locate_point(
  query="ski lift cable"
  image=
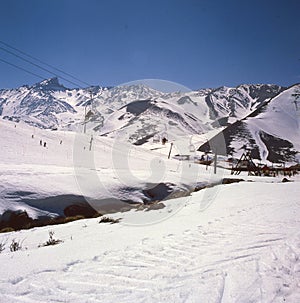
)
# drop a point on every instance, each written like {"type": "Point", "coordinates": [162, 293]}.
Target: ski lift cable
{"type": "Point", "coordinates": [40, 67]}
{"type": "Point", "coordinates": [23, 69]}
{"type": "Point", "coordinates": [44, 63]}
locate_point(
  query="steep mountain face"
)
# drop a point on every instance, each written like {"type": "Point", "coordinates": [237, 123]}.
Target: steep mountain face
{"type": "Point", "coordinates": [141, 120]}
{"type": "Point", "coordinates": [182, 114]}
{"type": "Point", "coordinates": [48, 104]}
{"type": "Point", "coordinates": [136, 112]}
{"type": "Point", "coordinates": [270, 133]}
{"type": "Point", "coordinates": [38, 105]}
{"type": "Point", "coordinates": [240, 101]}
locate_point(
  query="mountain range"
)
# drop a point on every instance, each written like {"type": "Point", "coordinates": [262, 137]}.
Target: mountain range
{"type": "Point", "coordinates": [262, 117]}
{"type": "Point", "coordinates": [269, 133]}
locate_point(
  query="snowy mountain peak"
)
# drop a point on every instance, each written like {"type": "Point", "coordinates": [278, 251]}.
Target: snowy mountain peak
{"type": "Point", "coordinates": [48, 104]}
{"type": "Point", "coordinates": [50, 84]}
{"type": "Point", "coordinates": [271, 132]}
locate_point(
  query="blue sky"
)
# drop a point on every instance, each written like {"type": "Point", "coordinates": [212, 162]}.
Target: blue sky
{"type": "Point", "coordinates": [196, 43]}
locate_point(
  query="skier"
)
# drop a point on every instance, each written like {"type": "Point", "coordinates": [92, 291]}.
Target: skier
{"type": "Point", "coordinates": [45, 144]}
{"type": "Point", "coordinates": [41, 142]}
{"type": "Point", "coordinates": [164, 140]}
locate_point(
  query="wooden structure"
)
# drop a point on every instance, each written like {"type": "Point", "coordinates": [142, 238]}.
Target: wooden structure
{"type": "Point", "coordinates": [204, 161]}
{"type": "Point", "coordinates": [245, 163]}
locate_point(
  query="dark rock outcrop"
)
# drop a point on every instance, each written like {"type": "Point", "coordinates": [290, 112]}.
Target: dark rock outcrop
{"type": "Point", "coordinates": [82, 209]}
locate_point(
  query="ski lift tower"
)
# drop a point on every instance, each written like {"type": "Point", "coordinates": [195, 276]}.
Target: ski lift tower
{"type": "Point", "coordinates": [245, 163]}
{"type": "Point", "coordinates": [192, 147]}
{"type": "Point", "coordinates": [85, 114]}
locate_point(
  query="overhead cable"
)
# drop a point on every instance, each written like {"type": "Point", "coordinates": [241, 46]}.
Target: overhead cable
{"type": "Point", "coordinates": [44, 63]}
{"type": "Point", "coordinates": [40, 67]}
{"type": "Point", "coordinates": [23, 69]}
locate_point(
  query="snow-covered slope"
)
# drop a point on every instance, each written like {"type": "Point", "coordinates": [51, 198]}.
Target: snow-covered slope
{"type": "Point", "coordinates": [50, 105]}
{"type": "Point", "coordinates": [270, 133]}
{"type": "Point", "coordinates": [240, 101]}
{"type": "Point", "coordinates": [139, 114]}
{"type": "Point", "coordinates": [140, 121]}
{"type": "Point", "coordinates": [72, 168]}
{"type": "Point", "coordinates": [243, 248]}
{"type": "Point", "coordinates": [224, 243]}
{"type": "Point", "coordinates": [39, 105]}
{"type": "Point", "coordinates": [177, 115]}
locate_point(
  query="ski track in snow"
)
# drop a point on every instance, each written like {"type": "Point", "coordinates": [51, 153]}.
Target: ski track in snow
{"type": "Point", "coordinates": [238, 256]}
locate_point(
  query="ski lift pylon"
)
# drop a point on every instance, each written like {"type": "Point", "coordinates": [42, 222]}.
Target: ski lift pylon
{"type": "Point", "coordinates": [192, 148]}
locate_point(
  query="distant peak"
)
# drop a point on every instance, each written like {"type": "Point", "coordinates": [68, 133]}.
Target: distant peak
{"type": "Point", "coordinates": [51, 84]}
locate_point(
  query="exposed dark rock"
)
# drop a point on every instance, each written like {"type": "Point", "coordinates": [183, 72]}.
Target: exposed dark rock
{"type": "Point", "coordinates": [280, 150]}
{"type": "Point", "coordinates": [82, 209]}
{"type": "Point", "coordinates": [15, 219]}
{"type": "Point", "coordinates": [230, 180]}
{"type": "Point", "coordinates": [152, 206]}
{"type": "Point", "coordinates": [241, 135]}
{"type": "Point", "coordinates": [159, 191]}
{"type": "Point", "coordinates": [200, 187]}
{"type": "Point", "coordinates": [264, 92]}
{"type": "Point", "coordinates": [222, 141]}
{"type": "Point", "coordinates": [156, 206]}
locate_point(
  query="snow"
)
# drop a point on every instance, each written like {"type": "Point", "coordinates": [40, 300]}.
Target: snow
{"type": "Point", "coordinates": [31, 173]}
{"type": "Point", "coordinates": [271, 132]}
{"type": "Point", "coordinates": [281, 120]}
{"type": "Point", "coordinates": [48, 104]}
{"type": "Point", "coordinates": [242, 248]}
{"type": "Point", "coordinates": [225, 243]}
{"type": "Point", "coordinates": [282, 109]}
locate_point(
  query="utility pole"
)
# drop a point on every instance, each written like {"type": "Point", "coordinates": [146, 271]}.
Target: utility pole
{"type": "Point", "coordinates": [88, 103]}
{"type": "Point", "coordinates": [91, 141]}
{"type": "Point", "coordinates": [170, 150]}
{"type": "Point", "coordinates": [215, 162]}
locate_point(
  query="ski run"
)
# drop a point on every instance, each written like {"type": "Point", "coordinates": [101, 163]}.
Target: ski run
{"type": "Point", "coordinates": [237, 242]}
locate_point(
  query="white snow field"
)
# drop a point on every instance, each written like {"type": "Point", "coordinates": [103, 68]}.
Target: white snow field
{"type": "Point", "coordinates": [245, 247]}
{"type": "Point", "coordinates": [93, 167]}
{"type": "Point", "coordinates": [226, 243]}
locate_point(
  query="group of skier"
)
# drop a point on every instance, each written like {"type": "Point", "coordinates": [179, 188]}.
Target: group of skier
{"type": "Point", "coordinates": [44, 144]}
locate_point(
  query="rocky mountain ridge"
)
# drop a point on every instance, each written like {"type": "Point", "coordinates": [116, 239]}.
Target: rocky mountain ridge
{"type": "Point", "coordinates": [50, 105]}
